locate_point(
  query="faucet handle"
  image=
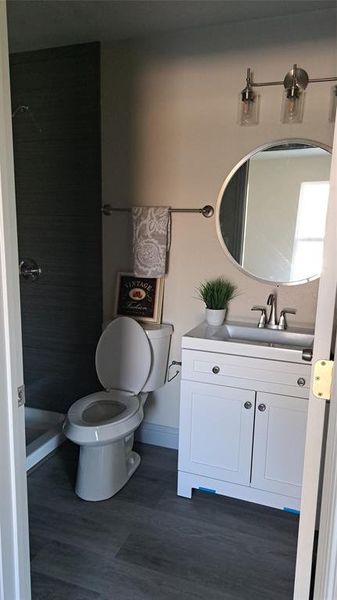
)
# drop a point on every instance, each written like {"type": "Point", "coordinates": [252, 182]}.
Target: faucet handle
{"type": "Point", "coordinates": [263, 316]}
{"type": "Point", "coordinates": [283, 321]}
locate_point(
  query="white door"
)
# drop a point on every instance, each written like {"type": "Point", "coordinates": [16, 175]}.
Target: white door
{"type": "Point", "coordinates": [316, 411]}
{"type": "Point", "coordinates": [14, 547]}
{"type": "Point", "coordinates": [216, 431]}
{"type": "Point", "coordinates": [326, 568]}
{"type": "Point", "coordinates": [279, 438]}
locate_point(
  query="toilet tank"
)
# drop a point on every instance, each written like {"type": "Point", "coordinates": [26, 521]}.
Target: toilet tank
{"type": "Point", "coordinates": [160, 338]}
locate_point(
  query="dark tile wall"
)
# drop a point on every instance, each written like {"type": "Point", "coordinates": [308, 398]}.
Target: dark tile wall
{"type": "Point", "coordinates": [58, 192]}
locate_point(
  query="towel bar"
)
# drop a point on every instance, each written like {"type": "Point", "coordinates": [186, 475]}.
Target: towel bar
{"type": "Point", "coordinates": [206, 211]}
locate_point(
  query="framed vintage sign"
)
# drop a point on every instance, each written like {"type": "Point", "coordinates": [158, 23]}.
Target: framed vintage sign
{"type": "Point", "coordinates": [139, 297]}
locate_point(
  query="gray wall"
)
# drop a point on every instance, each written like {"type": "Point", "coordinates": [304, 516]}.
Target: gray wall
{"type": "Point", "coordinates": [58, 192]}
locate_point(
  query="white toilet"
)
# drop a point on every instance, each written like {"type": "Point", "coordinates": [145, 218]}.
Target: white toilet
{"type": "Point", "coordinates": [131, 360]}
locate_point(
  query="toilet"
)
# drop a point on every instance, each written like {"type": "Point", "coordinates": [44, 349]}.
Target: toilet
{"type": "Point", "coordinates": [131, 361]}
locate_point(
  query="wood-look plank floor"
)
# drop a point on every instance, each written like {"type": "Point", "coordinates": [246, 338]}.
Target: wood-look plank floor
{"type": "Point", "coordinates": [146, 543]}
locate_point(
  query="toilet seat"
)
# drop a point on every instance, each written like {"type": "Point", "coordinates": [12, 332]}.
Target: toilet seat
{"type": "Point", "coordinates": [77, 411]}
{"type": "Point", "coordinates": [86, 430]}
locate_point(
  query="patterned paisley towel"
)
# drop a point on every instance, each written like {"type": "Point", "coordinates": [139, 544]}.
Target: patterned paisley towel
{"type": "Point", "coordinates": [151, 239]}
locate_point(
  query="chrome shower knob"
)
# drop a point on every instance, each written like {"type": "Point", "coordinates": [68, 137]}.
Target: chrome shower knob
{"type": "Point", "coordinates": [29, 269]}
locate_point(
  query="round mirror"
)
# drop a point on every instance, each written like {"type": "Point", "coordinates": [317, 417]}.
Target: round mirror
{"type": "Point", "coordinates": [271, 211]}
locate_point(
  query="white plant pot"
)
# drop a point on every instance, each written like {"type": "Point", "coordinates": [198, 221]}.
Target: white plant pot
{"type": "Point", "coordinates": [215, 317]}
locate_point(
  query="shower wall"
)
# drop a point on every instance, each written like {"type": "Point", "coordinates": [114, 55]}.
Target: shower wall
{"type": "Point", "coordinates": [58, 193]}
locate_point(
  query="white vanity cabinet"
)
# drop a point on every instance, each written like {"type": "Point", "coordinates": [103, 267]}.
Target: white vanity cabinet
{"type": "Point", "coordinates": [216, 431]}
{"type": "Point", "coordinates": [278, 449]}
{"type": "Point", "coordinates": [242, 423]}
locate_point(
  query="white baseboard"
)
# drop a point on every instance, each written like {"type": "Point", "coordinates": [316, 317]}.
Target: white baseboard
{"type": "Point", "coordinates": [158, 435]}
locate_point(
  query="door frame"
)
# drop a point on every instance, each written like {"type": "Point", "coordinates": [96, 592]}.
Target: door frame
{"type": "Point", "coordinates": [14, 535]}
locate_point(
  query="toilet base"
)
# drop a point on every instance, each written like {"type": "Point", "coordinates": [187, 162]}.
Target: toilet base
{"type": "Point", "coordinates": [103, 470]}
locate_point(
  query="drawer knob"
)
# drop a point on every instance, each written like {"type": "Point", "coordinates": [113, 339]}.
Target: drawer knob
{"type": "Point", "coordinates": [262, 407]}
{"type": "Point", "coordinates": [301, 381]}
{"type": "Point", "coordinates": [247, 405]}
{"type": "Point", "coordinates": [216, 370]}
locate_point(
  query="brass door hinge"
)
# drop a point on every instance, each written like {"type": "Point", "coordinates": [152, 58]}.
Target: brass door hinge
{"type": "Point", "coordinates": [323, 379]}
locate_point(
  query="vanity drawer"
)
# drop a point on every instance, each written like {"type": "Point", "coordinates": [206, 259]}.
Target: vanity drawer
{"type": "Point", "coordinates": [250, 373]}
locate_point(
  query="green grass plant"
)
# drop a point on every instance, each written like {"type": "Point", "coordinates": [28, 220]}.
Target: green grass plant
{"type": "Point", "coordinates": [217, 293]}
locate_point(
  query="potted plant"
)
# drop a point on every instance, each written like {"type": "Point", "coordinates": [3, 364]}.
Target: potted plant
{"type": "Point", "coordinates": [216, 294]}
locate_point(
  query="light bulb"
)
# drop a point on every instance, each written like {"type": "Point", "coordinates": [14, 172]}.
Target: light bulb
{"type": "Point", "coordinates": [248, 108]}
{"type": "Point", "coordinates": [292, 108]}
{"type": "Point", "coordinates": [293, 104]}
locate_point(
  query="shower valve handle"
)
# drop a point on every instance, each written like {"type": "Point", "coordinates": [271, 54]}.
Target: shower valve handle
{"type": "Point", "coordinates": [29, 269]}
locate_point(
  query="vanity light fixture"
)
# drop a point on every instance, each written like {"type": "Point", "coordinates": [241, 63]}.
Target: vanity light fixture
{"type": "Point", "coordinates": [295, 82]}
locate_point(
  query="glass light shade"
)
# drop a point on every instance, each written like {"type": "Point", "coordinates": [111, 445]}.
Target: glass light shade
{"type": "Point", "coordinates": [333, 104]}
{"type": "Point", "coordinates": [292, 107]}
{"type": "Point", "coordinates": [248, 109]}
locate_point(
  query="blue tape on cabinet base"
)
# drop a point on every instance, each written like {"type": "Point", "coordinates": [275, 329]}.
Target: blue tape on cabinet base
{"type": "Point", "coordinates": [291, 510]}
{"type": "Point", "coordinates": [207, 490]}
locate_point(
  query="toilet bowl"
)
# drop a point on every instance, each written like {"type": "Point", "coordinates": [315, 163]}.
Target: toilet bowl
{"type": "Point", "coordinates": [131, 361]}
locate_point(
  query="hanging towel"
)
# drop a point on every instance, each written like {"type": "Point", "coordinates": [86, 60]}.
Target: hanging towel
{"type": "Point", "coordinates": [151, 239]}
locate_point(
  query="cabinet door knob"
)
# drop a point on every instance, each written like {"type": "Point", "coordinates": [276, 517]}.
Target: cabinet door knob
{"type": "Point", "coordinates": [301, 381]}
{"type": "Point", "coordinates": [262, 407]}
{"type": "Point", "coordinates": [247, 405]}
{"type": "Point", "coordinates": [216, 370]}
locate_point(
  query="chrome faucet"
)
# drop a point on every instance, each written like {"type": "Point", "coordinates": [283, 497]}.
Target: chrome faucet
{"type": "Point", "coordinates": [272, 322]}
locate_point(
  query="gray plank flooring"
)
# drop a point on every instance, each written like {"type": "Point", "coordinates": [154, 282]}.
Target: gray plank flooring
{"type": "Point", "coordinates": [146, 543]}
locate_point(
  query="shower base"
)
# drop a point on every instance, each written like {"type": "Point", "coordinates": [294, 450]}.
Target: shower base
{"type": "Point", "coordinates": [43, 434]}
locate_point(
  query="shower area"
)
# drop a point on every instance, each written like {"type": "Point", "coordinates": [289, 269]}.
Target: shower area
{"type": "Point", "coordinates": [56, 134]}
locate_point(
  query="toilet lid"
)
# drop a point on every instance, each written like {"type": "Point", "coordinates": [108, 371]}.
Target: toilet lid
{"type": "Point", "coordinates": [123, 356]}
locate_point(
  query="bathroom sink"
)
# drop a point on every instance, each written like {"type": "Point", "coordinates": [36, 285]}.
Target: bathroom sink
{"type": "Point", "coordinates": [251, 333]}
{"type": "Point", "coordinates": [246, 339]}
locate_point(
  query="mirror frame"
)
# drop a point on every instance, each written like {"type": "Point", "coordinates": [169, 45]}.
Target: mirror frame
{"type": "Point", "coordinates": [222, 191]}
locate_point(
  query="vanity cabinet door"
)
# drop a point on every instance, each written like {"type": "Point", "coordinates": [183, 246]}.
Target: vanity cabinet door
{"type": "Point", "coordinates": [216, 431]}
{"type": "Point", "coordinates": [278, 452]}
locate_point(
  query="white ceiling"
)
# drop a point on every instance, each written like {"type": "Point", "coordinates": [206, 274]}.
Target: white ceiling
{"type": "Point", "coordinates": [37, 24]}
